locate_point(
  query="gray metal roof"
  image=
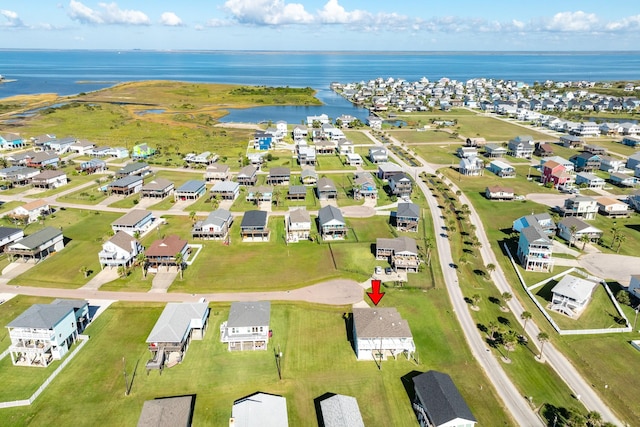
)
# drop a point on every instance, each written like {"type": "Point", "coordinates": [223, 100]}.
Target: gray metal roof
{"type": "Point", "coordinates": [297, 189]}
{"type": "Point", "coordinates": [41, 316]}
{"type": "Point", "coordinates": [380, 322]}
{"type": "Point", "coordinates": [175, 320]}
{"type": "Point", "coordinates": [252, 219]}
{"type": "Point", "coordinates": [398, 245]}
{"type": "Point", "coordinates": [167, 412]}
{"type": "Point", "coordinates": [408, 210]}
{"type": "Point", "coordinates": [38, 238]}
{"type": "Point", "coordinates": [265, 410]}
{"type": "Point", "coordinates": [225, 187]}
{"type": "Point", "coordinates": [132, 167]}
{"type": "Point", "coordinates": [574, 287]}
{"type": "Point", "coordinates": [191, 186]}
{"type": "Point", "coordinates": [279, 171]}
{"type": "Point", "coordinates": [158, 184]}
{"type": "Point", "coordinates": [126, 181]}
{"type": "Point", "coordinates": [533, 233]}
{"type": "Point", "coordinates": [441, 398]}
{"type": "Point", "coordinates": [131, 218]}
{"type": "Point", "coordinates": [329, 213]}
{"type": "Point", "coordinates": [218, 217]}
{"type": "Point", "coordinates": [243, 314]}
{"type": "Point", "coordinates": [341, 411]}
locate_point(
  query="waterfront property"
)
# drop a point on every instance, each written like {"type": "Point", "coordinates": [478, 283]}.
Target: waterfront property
{"type": "Point", "coordinates": [45, 332]}
{"type": "Point", "coordinates": [179, 323]}
{"type": "Point", "coordinates": [134, 222]}
{"type": "Point", "coordinates": [247, 327]}
{"type": "Point", "coordinates": [331, 223]}
{"type": "Point", "coordinates": [535, 249]}
{"type": "Point", "coordinates": [216, 226]}
{"type": "Point", "coordinates": [380, 332]}
{"type": "Point", "coordinates": [120, 250]}
{"type": "Point", "coordinates": [438, 403]}
{"type": "Point", "coordinates": [36, 246]}
{"type": "Point", "coordinates": [571, 295]}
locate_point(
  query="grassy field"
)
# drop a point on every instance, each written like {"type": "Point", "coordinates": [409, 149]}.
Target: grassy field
{"type": "Point", "coordinates": [410, 136]}
{"type": "Point", "coordinates": [218, 377]}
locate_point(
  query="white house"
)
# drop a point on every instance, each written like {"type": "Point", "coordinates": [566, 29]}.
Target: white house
{"type": "Point", "coordinates": [266, 410]}
{"type": "Point", "coordinates": [9, 235]}
{"type": "Point", "coordinates": [247, 327]}
{"type": "Point", "coordinates": [32, 211]}
{"type": "Point", "coordinates": [502, 169]}
{"type": "Point", "coordinates": [216, 226]}
{"type": "Point", "coordinates": [589, 180]}
{"type": "Point", "coordinates": [380, 332]}
{"type": "Point", "coordinates": [135, 221]}
{"type": "Point", "coordinates": [38, 245]}
{"type": "Point", "coordinates": [612, 207]}
{"type": "Point", "coordinates": [579, 227]}
{"type": "Point", "coordinates": [298, 225]}
{"type": "Point", "coordinates": [119, 251]}
{"type": "Point", "coordinates": [634, 285]}
{"type": "Point", "coordinates": [571, 295]}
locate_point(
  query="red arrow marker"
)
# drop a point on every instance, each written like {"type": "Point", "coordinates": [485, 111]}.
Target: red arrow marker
{"type": "Point", "coordinates": [376, 295]}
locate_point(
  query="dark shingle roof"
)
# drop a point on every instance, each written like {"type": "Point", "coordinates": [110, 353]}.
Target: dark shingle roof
{"type": "Point", "coordinates": [6, 232]}
{"type": "Point", "coordinates": [408, 210]}
{"type": "Point", "coordinates": [252, 219]}
{"type": "Point", "coordinates": [441, 397]}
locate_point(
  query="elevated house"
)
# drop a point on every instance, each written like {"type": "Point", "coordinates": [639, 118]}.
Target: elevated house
{"type": "Point", "coordinates": [611, 164]}
{"type": "Point", "coordinates": [387, 169]}
{"type": "Point", "coordinates": [279, 176]}
{"type": "Point", "coordinates": [623, 180]}
{"type": "Point", "coordinates": [535, 249]}
{"type": "Point", "coordinates": [543, 149]}
{"type": "Point", "coordinates": [190, 190]}
{"type": "Point", "coordinates": [159, 188]}
{"type": "Point", "coordinates": [573, 229]}
{"type": "Point", "coordinates": [297, 192]}
{"type": "Point", "coordinates": [572, 141]}
{"type": "Point", "coordinates": [571, 295]}
{"type": "Point", "coordinates": [217, 172]}
{"type": "Point", "coordinates": [493, 151]}
{"type": "Point", "coordinates": [331, 223]}
{"type": "Point", "coordinates": [43, 159]}
{"type": "Point", "coordinates": [263, 140]}
{"type": "Point", "coordinates": [260, 194]}
{"type": "Point", "coordinates": [36, 246]}
{"type": "Point", "coordinates": [401, 253]}
{"type": "Point", "coordinates": [247, 176]}
{"type": "Point", "coordinates": [82, 147]}
{"type": "Point", "coordinates": [50, 179]}
{"type": "Point", "coordinates": [380, 332]}
{"type": "Point", "coordinates": [464, 152]}
{"type": "Point", "coordinates": [164, 252]}
{"type": "Point", "coordinates": [325, 147]}
{"type": "Point", "coordinates": [354, 159]}
{"type": "Point", "coordinates": [586, 162]}
{"type": "Point", "coordinates": [179, 323]}
{"type": "Point", "coordinates": [339, 410]}
{"type": "Point", "coordinates": [580, 206]}
{"type": "Point", "coordinates": [299, 132]}
{"type": "Point", "coordinates": [521, 147]}
{"type": "Point", "coordinates": [11, 141]}
{"type": "Point", "coordinates": [203, 159]}
{"type": "Point", "coordinates": [254, 227]}
{"type": "Point", "coordinates": [134, 222]}
{"type": "Point", "coordinates": [634, 200]}
{"type": "Point", "coordinates": [142, 151]}
{"type": "Point", "coordinates": [407, 217]}
{"type": "Point", "coordinates": [471, 166]}
{"type": "Point", "coordinates": [378, 155]}
{"type": "Point", "coordinates": [247, 327]}
{"type": "Point", "coordinates": [595, 149]}
{"type": "Point", "coordinates": [438, 403]}
{"type": "Point", "coordinates": [298, 225]}
{"type": "Point", "coordinates": [270, 409]}
{"type": "Point", "coordinates": [364, 186]}
{"type": "Point", "coordinates": [216, 226]}
{"type": "Point", "coordinates": [502, 169]}
{"type": "Point", "coordinates": [308, 176]}
{"type": "Point", "coordinates": [345, 147]}
{"type": "Point", "coordinates": [612, 208]}
{"type": "Point", "coordinates": [556, 174]}
{"type": "Point", "coordinates": [121, 250]}
{"type": "Point", "coordinates": [18, 175]}
{"type": "Point", "coordinates": [31, 212]}
{"type": "Point", "coordinates": [92, 166]}
{"type": "Point", "coordinates": [9, 235]}
{"type": "Point", "coordinates": [401, 185]}
{"type": "Point", "coordinates": [307, 156]}
{"type": "Point", "coordinates": [45, 332]}
{"type": "Point", "coordinates": [225, 190]}
{"type": "Point", "coordinates": [126, 186]}
{"type": "Point", "coordinates": [496, 192]}
{"type": "Point", "coordinates": [326, 189]}
{"type": "Point", "coordinates": [589, 180]}
{"type": "Point", "coordinates": [136, 168]}
{"type": "Point", "coordinates": [633, 161]}
{"type": "Point", "coordinates": [631, 141]}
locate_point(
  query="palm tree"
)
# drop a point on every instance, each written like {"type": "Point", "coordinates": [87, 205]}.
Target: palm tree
{"type": "Point", "coordinates": [509, 340]}
{"type": "Point", "coordinates": [179, 262]}
{"type": "Point", "coordinates": [573, 230]}
{"type": "Point", "coordinates": [192, 216]}
{"type": "Point", "coordinates": [620, 239]}
{"type": "Point", "coordinates": [585, 239]}
{"type": "Point", "coordinates": [491, 268]}
{"type": "Point", "coordinates": [493, 328]}
{"type": "Point", "coordinates": [122, 271]}
{"type": "Point", "coordinates": [506, 297]}
{"type": "Point", "coordinates": [475, 298]}
{"type": "Point", "coordinates": [464, 259]}
{"type": "Point", "coordinates": [258, 196]}
{"type": "Point", "coordinates": [594, 419]}
{"type": "Point", "coordinates": [526, 315]}
{"type": "Point", "coordinates": [141, 260]}
{"type": "Point", "coordinates": [543, 337]}
{"type": "Point", "coordinates": [84, 270]}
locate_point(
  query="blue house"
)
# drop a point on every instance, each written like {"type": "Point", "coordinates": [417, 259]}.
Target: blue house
{"type": "Point", "coordinates": [631, 141]}
{"type": "Point", "coordinates": [542, 220]}
{"type": "Point", "coordinates": [9, 141]}
{"type": "Point", "coordinates": [586, 162]}
{"type": "Point", "coordinates": [262, 140]}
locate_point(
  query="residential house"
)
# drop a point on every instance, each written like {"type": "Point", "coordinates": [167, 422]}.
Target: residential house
{"type": "Point", "coordinates": [633, 161]}
{"type": "Point", "coordinates": [580, 206]}
{"type": "Point", "coordinates": [136, 168]}
{"type": "Point", "coordinates": [45, 332]}
{"type": "Point", "coordinates": [401, 185]}
{"type": "Point", "coordinates": [345, 147]}
{"type": "Point", "coordinates": [496, 192]}
{"type": "Point", "coordinates": [308, 176]}
{"type": "Point", "coordinates": [60, 146]}
{"type": "Point", "coordinates": [494, 151]}
{"type": "Point", "coordinates": [298, 225]}
{"type": "Point", "coordinates": [568, 165]}
{"type": "Point", "coordinates": [326, 189]}
{"type": "Point", "coordinates": [543, 149]}
{"type": "Point", "coordinates": [354, 159]}
{"type": "Point", "coordinates": [378, 155]}
{"type": "Point", "coordinates": [269, 409]}
{"type": "Point", "coordinates": [37, 246]}
{"type": "Point", "coordinates": [20, 158]}
{"type": "Point", "coordinates": [613, 208]}
{"type": "Point", "coordinates": [134, 222]}
{"type": "Point", "coordinates": [31, 212]}
{"type": "Point", "coordinates": [380, 332]}
{"type": "Point", "coordinates": [589, 180]}
{"type": "Point", "coordinates": [263, 140]}
{"type": "Point", "coordinates": [587, 129]}
{"type": "Point", "coordinates": [225, 190]}
{"type": "Point", "coordinates": [18, 175]}
{"type": "Point", "coordinates": [471, 166]}
{"type": "Point", "coordinates": [247, 175]}
{"type": "Point", "coordinates": [475, 142]}
{"type": "Point", "coordinates": [595, 149]}
{"type": "Point", "coordinates": [324, 147]}
{"type": "Point", "coordinates": [159, 188]}
{"type": "Point", "coordinates": [120, 250]}
{"type": "Point", "coordinates": [571, 141]}
{"type": "Point", "coordinates": [142, 151]}
{"type": "Point", "coordinates": [586, 162]}
{"type": "Point", "coordinates": [100, 151]}
{"type": "Point", "coordinates": [623, 180]}
{"type": "Point", "coordinates": [247, 327]}
{"type": "Point", "coordinates": [82, 146]}
{"type": "Point", "coordinates": [464, 152]}
{"type": "Point", "coordinates": [279, 176]}
{"type": "Point", "coordinates": [204, 158]}
{"type": "Point", "coordinates": [43, 159]}
{"type": "Point", "coordinates": [571, 295]}
{"type": "Point", "coordinates": [217, 172]}
{"type": "Point", "coordinates": [50, 179]}
{"type": "Point", "coordinates": [126, 186]}
{"type": "Point", "coordinates": [300, 132]}
{"type": "Point", "coordinates": [634, 200]}
{"type": "Point", "coordinates": [11, 141]}
{"type": "Point", "coordinates": [190, 190]}
{"type": "Point", "coordinates": [179, 323]}
{"type": "Point", "coordinates": [631, 141]}
{"type": "Point", "coordinates": [364, 186]}
{"type": "Point", "coordinates": [374, 122]}
{"type": "Point", "coordinates": [215, 227]}
{"type": "Point", "coordinates": [331, 223]}
{"type": "Point", "coordinates": [438, 403]}
{"type": "Point", "coordinates": [167, 412]}
{"type": "Point", "coordinates": [9, 235]}
{"type": "Point", "coordinates": [253, 227]}
{"type": "Point", "coordinates": [521, 147]}
{"type": "Point", "coordinates": [634, 285]}
{"type": "Point", "coordinates": [42, 141]}
{"type": "Point", "coordinates": [502, 169]}
{"type": "Point", "coordinates": [611, 164]}
{"type": "Point", "coordinates": [401, 253]}
{"type": "Point", "coordinates": [297, 192]}
{"type": "Point", "coordinates": [535, 249]}
{"type": "Point", "coordinates": [556, 174]}
{"type": "Point", "coordinates": [407, 217]}
{"type": "Point", "coordinates": [339, 410]}
{"type": "Point", "coordinates": [573, 235]}
{"type": "Point", "coordinates": [92, 166]}
{"type": "Point", "coordinates": [117, 152]}
{"type": "Point", "coordinates": [307, 156]}
{"type": "Point", "coordinates": [164, 252]}
{"type": "Point", "coordinates": [260, 194]}
{"type": "Point", "coordinates": [387, 169]}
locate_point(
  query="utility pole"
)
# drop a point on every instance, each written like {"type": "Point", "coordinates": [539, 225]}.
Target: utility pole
{"type": "Point", "coordinates": [126, 382]}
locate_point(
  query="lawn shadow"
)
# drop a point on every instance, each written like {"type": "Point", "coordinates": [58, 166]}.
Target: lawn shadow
{"type": "Point", "coordinates": [504, 321]}
{"type": "Point", "coordinates": [348, 324]}
{"type": "Point", "coordinates": [494, 300]}
{"type": "Point", "coordinates": [407, 382]}
{"type": "Point", "coordinates": [482, 328]}
{"type": "Point", "coordinates": [316, 403]}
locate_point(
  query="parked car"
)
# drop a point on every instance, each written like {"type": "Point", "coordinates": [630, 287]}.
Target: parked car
{"type": "Point", "coordinates": [378, 270]}
{"type": "Point", "coordinates": [388, 270]}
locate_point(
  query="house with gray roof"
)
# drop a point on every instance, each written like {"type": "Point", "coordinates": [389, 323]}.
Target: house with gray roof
{"type": "Point", "coordinates": [380, 332]}
{"type": "Point", "coordinates": [225, 190]}
{"type": "Point", "coordinates": [135, 168]}
{"type": "Point", "coordinates": [253, 227]}
{"type": "Point", "coordinates": [298, 225]}
{"type": "Point", "coordinates": [331, 223]}
{"type": "Point", "coordinates": [339, 410]}
{"type": "Point", "coordinates": [279, 176]}
{"type": "Point", "coordinates": [401, 253]}
{"type": "Point", "coordinates": [308, 176]}
{"type": "Point", "coordinates": [438, 403]}
{"type": "Point", "coordinates": [247, 175]}
{"type": "Point", "coordinates": [167, 412]}
{"type": "Point", "coordinates": [247, 327]}
{"type": "Point", "coordinates": [9, 235]}
{"type": "Point", "coordinates": [38, 245]}
{"type": "Point", "coordinates": [179, 323]}
{"type": "Point", "coordinates": [126, 186]}
{"type": "Point", "coordinates": [217, 172]}
{"type": "Point", "coordinates": [136, 221]}
{"type": "Point", "coordinates": [45, 332]}
{"type": "Point", "coordinates": [535, 249]}
{"type": "Point", "coordinates": [216, 226]}
{"type": "Point", "coordinates": [190, 190]}
{"type": "Point", "coordinates": [387, 169]}
{"type": "Point", "coordinates": [326, 189]}
{"type": "Point", "coordinates": [407, 217]}
{"type": "Point", "coordinates": [378, 155]}
{"type": "Point", "coordinates": [571, 295]}
{"type": "Point", "coordinates": [266, 410]}
{"type": "Point", "coordinates": [50, 179]}
{"type": "Point", "coordinates": [159, 188]}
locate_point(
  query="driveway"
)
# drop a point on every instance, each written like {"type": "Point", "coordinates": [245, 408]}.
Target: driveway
{"type": "Point", "coordinates": [611, 266]}
{"type": "Point", "coordinates": [15, 269]}
{"type": "Point", "coordinates": [162, 280]}
{"type": "Point", "coordinates": [104, 276]}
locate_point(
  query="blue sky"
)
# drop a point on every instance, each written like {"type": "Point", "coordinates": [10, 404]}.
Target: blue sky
{"type": "Point", "coordinates": [424, 25]}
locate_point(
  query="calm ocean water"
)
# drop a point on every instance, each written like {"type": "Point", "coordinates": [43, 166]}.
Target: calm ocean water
{"type": "Point", "coordinates": [71, 72]}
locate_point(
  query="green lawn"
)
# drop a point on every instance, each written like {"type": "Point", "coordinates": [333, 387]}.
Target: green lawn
{"type": "Point", "coordinates": [331, 162]}
{"type": "Point", "coordinates": [438, 154]}
{"type": "Point", "coordinates": [87, 196]}
{"type": "Point", "coordinates": [411, 136]}
{"type": "Point", "coordinates": [358, 137]}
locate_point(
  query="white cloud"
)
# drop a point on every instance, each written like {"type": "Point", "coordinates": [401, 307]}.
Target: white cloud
{"type": "Point", "coordinates": [572, 21]}
{"type": "Point", "coordinates": [12, 19]}
{"type": "Point", "coordinates": [218, 23]}
{"type": "Point", "coordinates": [170, 19]}
{"type": "Point", "coordinates": [109, 13]}
{"type": "Point", "coordinates": [268, 12]}
{"type": "Point", "coordinates": [629, 23]}
{"type": "Point", "coordinates": [334, 13]}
